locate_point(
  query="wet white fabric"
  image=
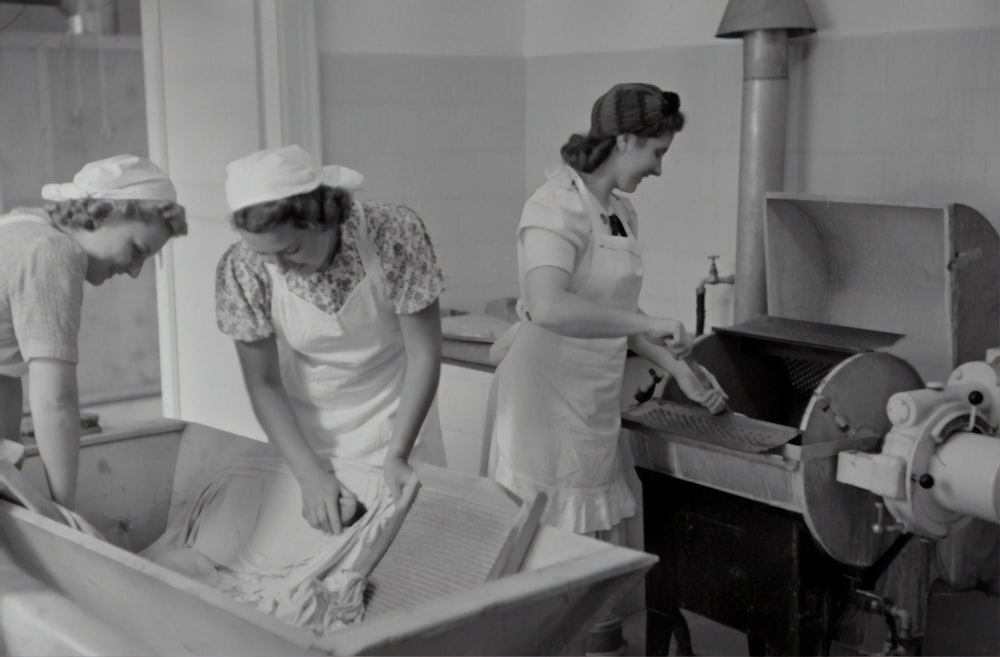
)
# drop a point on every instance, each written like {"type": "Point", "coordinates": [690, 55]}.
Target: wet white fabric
{"type": "Point", "coordinates": [118, 177]}
{"type": "Point", "coordinates": [246, 534]}
{"type": "Point", "coordinates": [246, 537]}
{"type": "Point", "coordinates": [277, 173]}
{"type": "Point", "coordinates": [558, 408]}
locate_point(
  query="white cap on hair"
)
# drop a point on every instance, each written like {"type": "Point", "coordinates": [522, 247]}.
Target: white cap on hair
{"type": "Point", "coordinates": [118, 177]}
{"type": "Point", "coordinates": [278, 173]}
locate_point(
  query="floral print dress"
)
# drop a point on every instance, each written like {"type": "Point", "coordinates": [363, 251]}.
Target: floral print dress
{"type": "Point", "coordinates": [414, 279]}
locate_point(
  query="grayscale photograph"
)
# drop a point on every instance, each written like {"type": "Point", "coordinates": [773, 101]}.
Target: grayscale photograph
{"type": "Point", "coordinates": [499, 327]}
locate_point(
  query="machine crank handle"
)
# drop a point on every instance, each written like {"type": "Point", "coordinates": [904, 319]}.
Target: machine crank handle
{"type": "Point", "coordinates": [880, 525]}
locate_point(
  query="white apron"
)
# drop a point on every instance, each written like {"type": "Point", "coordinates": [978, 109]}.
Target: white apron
{"type": "Point", "coordinates": [343, 373]}
{"type": "Point", "coordinates": [558, 408]}
{"type": "Point", "coordinates": [245, 534]}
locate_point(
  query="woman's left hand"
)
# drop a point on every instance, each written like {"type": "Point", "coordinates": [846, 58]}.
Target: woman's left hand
{"type": "Point", "coordinates": [397, 473]}
{"type": "Point", "coordinates": [714, 399]}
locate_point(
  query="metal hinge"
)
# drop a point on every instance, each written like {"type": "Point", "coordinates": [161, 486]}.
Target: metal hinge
{"type": "Point", "coordinates": [965, 257]}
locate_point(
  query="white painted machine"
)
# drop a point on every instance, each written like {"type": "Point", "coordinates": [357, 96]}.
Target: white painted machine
{"type": "Point", "coordinates": [940, 462]}
{"type": "Point", "coordinates": [787, 515]}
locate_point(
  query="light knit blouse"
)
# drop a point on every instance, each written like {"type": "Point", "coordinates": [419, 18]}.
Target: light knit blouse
{"type": "Point", "coordinates": [42, 271]}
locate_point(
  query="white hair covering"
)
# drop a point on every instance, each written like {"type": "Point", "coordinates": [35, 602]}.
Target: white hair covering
{"type": "Point", "coordinates": [120, 177]}
{"type": "Point", "coordinates": [277, 173]}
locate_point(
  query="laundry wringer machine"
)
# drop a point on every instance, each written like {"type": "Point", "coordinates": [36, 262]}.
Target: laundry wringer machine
{"type": "Point", "coordinates": [862, 426]}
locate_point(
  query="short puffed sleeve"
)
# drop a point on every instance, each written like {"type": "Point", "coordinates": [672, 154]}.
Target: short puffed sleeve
{"type": "Point", "coordinates": [46, 295]}
{"type": "Point", "coordinates": [243, 295]}
{"type": "Point", "coordinates": [411, 269]}
{"type": "Point", "coordinates": [555, 224]}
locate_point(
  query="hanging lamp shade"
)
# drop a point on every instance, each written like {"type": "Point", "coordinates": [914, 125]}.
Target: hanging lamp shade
{"type": "Point", "coordinates": [743, 16]}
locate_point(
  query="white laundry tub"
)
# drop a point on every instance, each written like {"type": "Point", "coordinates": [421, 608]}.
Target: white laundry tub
{"type": "Point", "coordinates": [62, 592]}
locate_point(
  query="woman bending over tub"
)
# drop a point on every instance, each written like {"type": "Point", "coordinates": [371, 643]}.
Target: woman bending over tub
{"type": "Point", "coordinates": [114, 215]}
{"type": "Point", "coordinates": [333, 308]}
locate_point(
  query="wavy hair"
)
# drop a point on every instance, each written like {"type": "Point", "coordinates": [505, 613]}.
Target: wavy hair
{"type": "Point", "coordinates": [586, 152]}
{"type": "Point", "coordinates": [325, 208]}
{"type": "Point", "coordinates": [92, 213]}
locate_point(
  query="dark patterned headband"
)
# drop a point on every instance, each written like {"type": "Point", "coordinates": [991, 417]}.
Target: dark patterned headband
{"type": "Point", "coordinates": [631, 108]}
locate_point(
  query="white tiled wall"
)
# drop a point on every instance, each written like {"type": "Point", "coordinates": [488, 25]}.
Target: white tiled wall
{"type": "Point", "coordinates": [911, 117]}
{"type": "Point", "coordinates": [907, 117]}
{"type": "Point", "coordinates": [443, 134]}
{"type": "Point", "coordinates": [687, 214]}
{"type": "Point", "coordinates": [464, 139]}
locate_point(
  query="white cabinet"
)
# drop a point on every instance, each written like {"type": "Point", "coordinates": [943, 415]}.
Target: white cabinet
{"type": "Point", "coordinates": [463, 393]}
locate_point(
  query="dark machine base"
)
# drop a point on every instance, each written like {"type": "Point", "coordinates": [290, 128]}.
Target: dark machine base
{"type": "Point", "coordinates": [741, 563]}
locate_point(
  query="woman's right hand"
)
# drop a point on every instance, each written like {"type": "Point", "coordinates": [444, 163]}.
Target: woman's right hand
{"type": "Point", "coordinates": [712, 397]}
{"type": "Point", "coordinates": [322, 502]}
{"type": "Point", "coordinates": [672, 334]}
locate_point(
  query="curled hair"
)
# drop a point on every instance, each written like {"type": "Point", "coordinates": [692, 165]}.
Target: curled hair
{"type": "Point", "coordinates": [324, 207]}
{"type": "Point", "coordinates": [586, 152]}
{"type": "Point", "coordinates": [91, 213]}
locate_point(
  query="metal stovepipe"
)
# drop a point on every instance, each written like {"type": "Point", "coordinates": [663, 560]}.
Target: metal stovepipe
{"type": "Point", "coordinates": [765, 27]}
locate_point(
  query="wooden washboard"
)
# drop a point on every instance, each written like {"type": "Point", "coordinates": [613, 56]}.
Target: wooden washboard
{"type": "Point", "coordinates": [452, 532]}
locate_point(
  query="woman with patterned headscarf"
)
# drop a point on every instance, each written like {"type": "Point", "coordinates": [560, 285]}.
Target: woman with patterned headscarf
{"type": "Point", "coordinates": [558, 415]}
{"type": "Point", "coordinates": [115, 214]}
{"type": "Point", "coordinates": [580, 271]}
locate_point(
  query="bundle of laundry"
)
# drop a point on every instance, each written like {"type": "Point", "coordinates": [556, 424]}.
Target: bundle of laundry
{"type": "Point", "coordinates": [245, 536]}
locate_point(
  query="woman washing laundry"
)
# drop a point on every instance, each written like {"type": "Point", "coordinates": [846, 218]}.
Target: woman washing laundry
{"type": "Point", "coordinates": [115, 214]}
{"type": "Point", "coordinates": [333, 307]}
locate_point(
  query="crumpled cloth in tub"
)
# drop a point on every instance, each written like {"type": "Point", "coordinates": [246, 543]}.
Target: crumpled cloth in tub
{"type": "Point", "coordinates": [246, 537]}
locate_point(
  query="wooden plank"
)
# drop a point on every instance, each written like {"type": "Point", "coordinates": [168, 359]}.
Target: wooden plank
{"type": "Point", "coordinates": [139, 460]}
{"type": "Point", "coordinates": [170, 613]}
{"type": "Point", "coordinates": [573, 579]}
{"type": "Point", "coordinates": [38, 620]}
{"type": "Point", "coordinates": [204, 453]}
{"type": "Point", "coordinates": [525, 525]}
{"type": "Point", "coordinates": [538, 612]}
